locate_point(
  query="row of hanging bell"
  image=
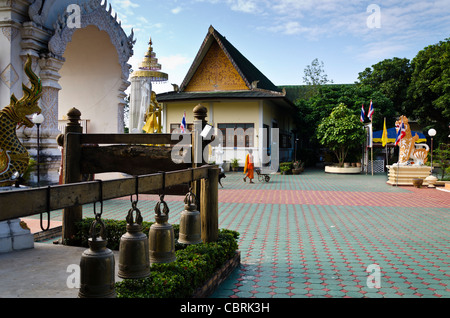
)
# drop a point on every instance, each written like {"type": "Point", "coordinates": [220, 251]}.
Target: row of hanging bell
{"type": "Point", "coordinates": [136, 252]}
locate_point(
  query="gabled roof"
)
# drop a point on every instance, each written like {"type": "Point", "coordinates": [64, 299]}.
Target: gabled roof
{"type": "Point", "coordinates": [249, 73]}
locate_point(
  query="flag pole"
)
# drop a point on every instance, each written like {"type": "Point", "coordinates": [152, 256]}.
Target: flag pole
{"type": "Point", "coordinates": [385, 149]}
{"type": "Point", "coordinates": [371, 137]}
{"type": "Point", "coordinates": [371, 145]}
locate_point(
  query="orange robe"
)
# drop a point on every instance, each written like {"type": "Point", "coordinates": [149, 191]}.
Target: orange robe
{"type": "Point", "coordinates": [249, 167]}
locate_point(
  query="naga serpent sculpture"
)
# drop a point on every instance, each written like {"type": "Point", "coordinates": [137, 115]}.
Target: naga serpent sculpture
{"type": "Point", "coordinates": [14, 157]}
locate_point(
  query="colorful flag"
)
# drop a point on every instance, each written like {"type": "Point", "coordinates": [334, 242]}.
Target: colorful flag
{"type": "Point", "coordinates": [370, 114]}
{"type": "Point", "coordinates": [401, 132]}
{"type": "Point", "coordinates": [183, 124]}
{"type": "Point", "coordinates": [363, 113]}
{"type": "Point", "coordinates": [384, 137]}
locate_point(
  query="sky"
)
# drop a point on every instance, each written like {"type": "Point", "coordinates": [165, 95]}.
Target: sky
{"type": "Point", "coordinates": [282, 37]}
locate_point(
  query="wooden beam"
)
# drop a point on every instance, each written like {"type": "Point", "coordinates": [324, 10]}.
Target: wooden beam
{"type": "Point", "coordinates": [27, 202]}
{"type": "Point", "coordinates": [135, 139]}
{"type": "Point", "coordinates": [130, 159]}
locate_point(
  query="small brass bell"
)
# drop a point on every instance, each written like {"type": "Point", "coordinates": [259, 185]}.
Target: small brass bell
{"type": "Point", "coordinates": [190, 224]}
{"type": "Point", "coordinates": [161, 236]}
{"type": "Point", "coordinates": [134, 259]}
{"type": "Point", "coordinates": [97, 267]}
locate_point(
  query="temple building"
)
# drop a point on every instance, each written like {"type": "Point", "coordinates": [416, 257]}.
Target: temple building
{"type": "Point", "coordinates": [237, 96]}
{"type": "Point", "coordinates": [80, 52]}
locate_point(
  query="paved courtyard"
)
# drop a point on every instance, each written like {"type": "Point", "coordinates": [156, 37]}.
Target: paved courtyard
{"type": "Point", "coordinates": [318, 235]}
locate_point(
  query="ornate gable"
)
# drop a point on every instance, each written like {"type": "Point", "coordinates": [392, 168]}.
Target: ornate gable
{"type": "Point", "coordinates": [216, 73]}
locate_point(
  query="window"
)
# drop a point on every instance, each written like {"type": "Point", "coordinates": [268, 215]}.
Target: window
{"type": "Point", "coordinates": [176, 127]}
{"type": "Point", "coordinates": [237, 135]}
{"type": "Point", "coordinates": [286, 140]}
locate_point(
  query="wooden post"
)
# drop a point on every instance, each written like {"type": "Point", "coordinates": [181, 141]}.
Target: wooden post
{"type": "Point", "coordinates": [200, 113]}
{"type": "Point", "coordinates": [209, 206]}
{"type": "Point", "coordinates": [206, 190]}
{"type": "Point", "coordinates": [198, 144]}
{"type": "Point", "coordinates": [71, 173]}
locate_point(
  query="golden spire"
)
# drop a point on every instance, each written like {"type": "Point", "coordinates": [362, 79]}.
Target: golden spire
{"type": "Point", "coordinates": [150, 68]}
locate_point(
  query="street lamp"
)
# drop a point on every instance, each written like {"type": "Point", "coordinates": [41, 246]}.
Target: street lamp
{"type": "Point", "coordinates": [38, 119]}
{"type": "Point", "coordinates": [432, 133]}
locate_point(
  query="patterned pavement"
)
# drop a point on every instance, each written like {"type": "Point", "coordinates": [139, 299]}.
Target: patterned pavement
{"type": "Point", "coordinates": [318, 235]}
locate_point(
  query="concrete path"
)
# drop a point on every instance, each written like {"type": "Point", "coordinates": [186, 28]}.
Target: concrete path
{"type": "Point", "coordinates": [313, 235]}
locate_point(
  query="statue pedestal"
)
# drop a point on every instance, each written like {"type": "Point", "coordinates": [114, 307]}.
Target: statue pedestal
{"type": "Point", "coordinates": [12, 236]}
{"type": "Point", "coordinates": [403, 175]}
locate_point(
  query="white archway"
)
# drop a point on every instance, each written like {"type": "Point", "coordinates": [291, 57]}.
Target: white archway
{"type": "Point", "coordinates": [91, 80]}
{"type": "Point", "coordinates": [47, 37]}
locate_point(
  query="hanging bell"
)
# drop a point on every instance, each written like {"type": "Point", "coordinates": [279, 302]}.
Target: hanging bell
{"type": "Point", "coordinates": [161, 236]}
{"type": "Point", "coordinates": [134, 259]}
{"type": "Point", "coordinates": [97, 267]}
{"type": "Point", "coordinates": [190, 224]}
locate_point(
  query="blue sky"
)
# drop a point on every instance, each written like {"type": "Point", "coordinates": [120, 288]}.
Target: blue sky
{"type": "Point", "coordinates": [282, 37]}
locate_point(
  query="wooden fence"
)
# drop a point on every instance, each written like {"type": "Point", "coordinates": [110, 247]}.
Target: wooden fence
{"type": "Point", "coordinates": [145, 157]}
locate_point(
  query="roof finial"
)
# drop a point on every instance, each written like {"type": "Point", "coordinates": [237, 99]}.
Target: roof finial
{"type": "Point", "coordinates": [150, 67]}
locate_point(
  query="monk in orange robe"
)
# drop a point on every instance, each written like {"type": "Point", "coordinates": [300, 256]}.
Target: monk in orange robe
{"type": "Point", "coordinates": [249, 167]}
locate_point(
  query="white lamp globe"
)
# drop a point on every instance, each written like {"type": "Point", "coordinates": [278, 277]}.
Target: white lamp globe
{"type": "Point", "coordinates": [38, 119]}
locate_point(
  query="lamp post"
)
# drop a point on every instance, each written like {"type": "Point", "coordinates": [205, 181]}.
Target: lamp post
{"type": "Point", "coordinates": [432, 133]}
{"type": "Point", "coordinates": [38, 119]}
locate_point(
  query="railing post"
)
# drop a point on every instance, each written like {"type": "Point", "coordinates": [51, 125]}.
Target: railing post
{"type": "Point", "coordinates": [209, 206]}
{"type": "Point", "coordinates": [206, 189]}
{"type": "Point", "coordinates": [200, 113]}
{"type": "Point", "coordinates": [71, 173]}
{"type": "Point", "coordinates": [198, 144]}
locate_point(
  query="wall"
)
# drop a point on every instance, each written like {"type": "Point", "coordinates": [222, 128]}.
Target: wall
{"type": "Point", "coordinates": [91, 77]}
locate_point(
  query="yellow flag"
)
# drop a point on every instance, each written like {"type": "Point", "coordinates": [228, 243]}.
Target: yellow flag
{"type": "Point", "coordinates": [149, 127]}
{"type": "Point", "coordinates": [384, 137]}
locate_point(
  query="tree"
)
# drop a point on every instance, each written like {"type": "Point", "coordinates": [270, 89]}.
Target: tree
{"type": "Point", "coordinates": [341, 132]}
{"type": "Point", "coordinates": [442, 158]}
{"type": "Point", "coordinates": [392, 78]}
{"type": "Point", "coordinates": [315, 76]}
{"type": "Point", "coordinates": [311, 111]}
{"type": "Point", "coordinates": [429, 91]}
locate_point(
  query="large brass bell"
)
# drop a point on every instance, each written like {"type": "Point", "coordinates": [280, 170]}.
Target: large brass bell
{"type": "Point", "coordinates": [161, 236]}
{"type": "Point", "coordinates": [97, 267]}
{"type": "Point", "coordinates": [190, 224]}
{"type": "Point", "coordinates": [134, 259]}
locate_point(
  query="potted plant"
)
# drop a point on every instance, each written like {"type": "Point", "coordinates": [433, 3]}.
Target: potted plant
{"type": "Point", "coordinates": [234, 164]}
{"type": "Point", "coordinates": [285, 167]}
{"type": "Point", "coordinates": [298, 167]}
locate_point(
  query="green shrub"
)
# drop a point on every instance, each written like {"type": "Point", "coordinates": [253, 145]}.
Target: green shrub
{"type": "Point", "coordinates": [286, 166]}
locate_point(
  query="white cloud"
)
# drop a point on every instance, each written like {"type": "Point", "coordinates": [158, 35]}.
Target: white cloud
{"type": "Point", "coordinates": [125, 6]}
{"type": "Point", "coordinates": [247, 6]}
{"type": "Point", "coordinates": [176, 10]}
{"type": "Point", "coordinates": [381, 50]}
{"type": "Point", "coordinates": [289, 28]}
{"type": "Point", "coordinates": [173, 62]}
{"type": "Point", "coordinates": [142, 19]}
